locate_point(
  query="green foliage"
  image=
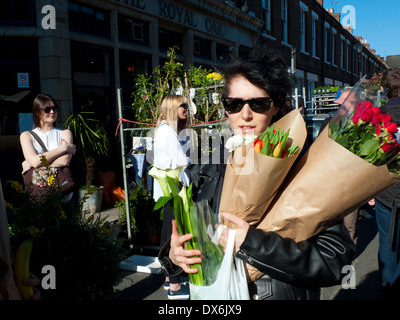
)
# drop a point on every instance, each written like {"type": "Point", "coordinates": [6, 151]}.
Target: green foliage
{"type": "Point", "coordinates": [84, 252]}
{"type": "Point", "coordinates": [141, 205]}
{"type": "Point", "coordinates": [326, 89]}
{"type": "Point", "coordinates": [150, 90]}
{"type": "Point", "coordinates": [90, 138]}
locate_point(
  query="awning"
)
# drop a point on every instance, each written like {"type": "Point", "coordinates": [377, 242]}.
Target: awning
{"type": "Point", "coordinates": [16, 97]}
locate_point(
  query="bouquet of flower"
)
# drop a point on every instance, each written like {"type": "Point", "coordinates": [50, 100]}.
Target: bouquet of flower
{"type": "Point", "coordinates": [193, 218]}
{"type": "Point", "coordinates": [368, 134]}
{"type": "Point", "coordinates": [351, 163]}
{"type": "Point", "coordinates": [273, 143]}
{"type": "Point", "coordinates": [258, 165]}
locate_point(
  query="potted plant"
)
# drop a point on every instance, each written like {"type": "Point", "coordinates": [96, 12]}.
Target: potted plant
{"type": "Point", "coordinates": [138, 159]}
{"type": "Point", "coordinates": [91, 140]}
{"type": "Point", "coordinates": [84, 252]}
{"type": "Point", "coordinates": [145, 221]}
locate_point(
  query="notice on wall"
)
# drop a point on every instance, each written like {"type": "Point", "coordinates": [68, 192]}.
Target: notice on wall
{"type": "Point", "coordinates": [23, 80]}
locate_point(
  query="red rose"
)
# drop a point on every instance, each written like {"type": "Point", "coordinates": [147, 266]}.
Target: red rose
{"type": "Point", "coordinates": [386, 147]}
{"type": "Point", "coordinates": [355, 119]}
{"type": "Point", "coordinates": [366, 116]}
{"type": "Point", "coordinates": [376, 110]}
{"type": "Point", "coordinates": [376, 119]}
{"type": "Point", "coordinates": [386, 118]}
{"type": "Point", "coordinates": [391, 127]}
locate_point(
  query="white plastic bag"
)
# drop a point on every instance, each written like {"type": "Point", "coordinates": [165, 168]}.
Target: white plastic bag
{"type": "Point", "coordinates": [231, 282]}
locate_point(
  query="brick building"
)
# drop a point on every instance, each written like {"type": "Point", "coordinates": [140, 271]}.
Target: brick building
{"type": "Point", "coordinates": [98, 46]}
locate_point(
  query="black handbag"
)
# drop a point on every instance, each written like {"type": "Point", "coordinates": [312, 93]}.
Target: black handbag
{"type": "Point", "coordinates": [63, 175]}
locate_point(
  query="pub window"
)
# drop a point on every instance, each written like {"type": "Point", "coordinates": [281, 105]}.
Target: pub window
{"type": "Point", "coordinates": [202, 48]}
{"type": "Point", "coordinates": [266, 7]}
{"type": "Point", "coordinates": [133, 30]}
{"type": "Point", "coordinates": [303, 20]}
{"type": "Point", "coordinates": [17, 12]}
{"type": "Point", "coordinates": [284, 19]}
{"type": "Point", "coordinates": [130, 65]}
{"type": "Point", "coordinates": [333, 47]}
{"type": "Point", "coordinates": [314, 34]}
{"type": "Point", "coordinates": [222, 52]}
{"type": "Point", "coordinates": [168, 39]}
{"type": "Point", "coordinates": [88, 19]}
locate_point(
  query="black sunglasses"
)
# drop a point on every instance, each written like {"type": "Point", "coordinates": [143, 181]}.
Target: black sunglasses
{"type": "Point", "coordinates": [48, 109]}
{"type": "Point", "coordinates": [184, 106]}
{"type": "Point", "coordinates": [259, 105]}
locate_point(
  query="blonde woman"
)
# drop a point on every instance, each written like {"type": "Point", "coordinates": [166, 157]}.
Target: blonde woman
{"type": "Point", "coordinates": [169, 153]}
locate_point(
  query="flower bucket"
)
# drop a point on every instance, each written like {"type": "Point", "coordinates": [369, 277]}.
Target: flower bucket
{"type": "Point", "coordinates": [94, 199]}
{"type": "Point", "coordinates": [139, 163]}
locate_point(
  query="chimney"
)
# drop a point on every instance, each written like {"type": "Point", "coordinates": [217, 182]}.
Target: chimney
{"type": "Point", "coordinates": [321, 2]}
{"type": "Point", "coordinates": [348, 28]}
{"type": "Point", "coordinates": [336, 15]}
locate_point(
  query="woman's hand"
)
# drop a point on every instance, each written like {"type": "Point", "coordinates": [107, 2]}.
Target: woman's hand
{"type": "Point", "coordinates": [180, 256]}
{"type": "Point", "coordinates": [69, 148]}
{"type": "Point", "coordinates": [26, 166]}
{"type": "Point", "coordinates": [241, 230]}
{"type": "Point", "coordinates": [33, 281]}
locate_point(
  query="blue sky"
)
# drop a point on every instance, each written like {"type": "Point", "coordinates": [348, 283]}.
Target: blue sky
{"type": "Point", "coordinates": [376, 21]}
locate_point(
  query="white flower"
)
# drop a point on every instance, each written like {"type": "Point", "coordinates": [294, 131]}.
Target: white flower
{"type": "Point", "coordinates": [239, 140]}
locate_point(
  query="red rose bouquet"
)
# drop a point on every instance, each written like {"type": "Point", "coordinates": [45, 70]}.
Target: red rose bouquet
{"type": "Point", "coordinates": [347, 165]}
{"type": "Point", "coordinates": [369, 134]}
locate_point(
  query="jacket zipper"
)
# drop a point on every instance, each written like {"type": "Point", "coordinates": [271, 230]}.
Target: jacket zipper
{"type": "Point", "coordinates": [252, 261]}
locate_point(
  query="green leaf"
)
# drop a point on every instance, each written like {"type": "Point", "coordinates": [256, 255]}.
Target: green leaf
{"type": "Point", "coordinates": [343, 141]}
{"type": "Point", "coordinates": [368, 147]}
{"type": "Point", "coordinates": [161, 202]}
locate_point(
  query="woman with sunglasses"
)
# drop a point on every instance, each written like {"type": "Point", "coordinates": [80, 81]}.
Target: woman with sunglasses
{"type": "Point", "coordinates": [58, 142]}
{"type": "Point", "coordinates": [171, 151]}
{"type": "Point", "coordinates": [254, 98]}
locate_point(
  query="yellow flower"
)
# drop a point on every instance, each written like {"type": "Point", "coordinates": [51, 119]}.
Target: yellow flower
{"type": "Point", "coordinates": [214, 76]}
{"type": "Point", "coordinates": [63, 215]}
{"type": "Point", "coordinates": [51, 181]}
{"type": "Point", "coordinates": [34, 232]}
{"type": "Point", "coordinates": [17, 187]}
{"type": "Point", "coordinates": [9, 205]}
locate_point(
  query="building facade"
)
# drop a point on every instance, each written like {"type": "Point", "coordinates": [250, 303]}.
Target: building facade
{"type": "Point", "coordinates": [83, 50]}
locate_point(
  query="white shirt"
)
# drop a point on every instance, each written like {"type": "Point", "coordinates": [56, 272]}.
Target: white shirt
{"type": "Point", "coordinates": [170, 151]}
{"type": "Point", "coordinates": [51, 139]}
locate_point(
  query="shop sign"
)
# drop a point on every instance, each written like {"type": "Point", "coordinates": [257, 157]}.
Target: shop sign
{"type": "Point", "coordinates": [23, 80]}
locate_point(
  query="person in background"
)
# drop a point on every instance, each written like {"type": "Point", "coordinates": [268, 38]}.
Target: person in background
{"type": "Point", "coordinates": [387, 203]}
{"type": "Point", "coordinates": [169, 153]}
{"type": "Point", "coordinates": [57, 141]}
{"type": "Point", "coordinates": [255, 90]}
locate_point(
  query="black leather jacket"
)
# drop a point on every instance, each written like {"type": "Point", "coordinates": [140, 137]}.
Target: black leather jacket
{"type": "Point", "coordinates": [292, 270]}
{"type": "Point", "coordinates": [297, 270]}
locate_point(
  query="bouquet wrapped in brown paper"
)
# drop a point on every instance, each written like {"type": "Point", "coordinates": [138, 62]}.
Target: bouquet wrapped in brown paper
{"type": "Point", "coordinates": [252, 179]}
{"type": "Point", "coordinates": [352, 160]}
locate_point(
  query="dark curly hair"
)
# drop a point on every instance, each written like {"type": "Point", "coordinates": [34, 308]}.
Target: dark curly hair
{"type": "Point", "coordinates": [391, 81]}
{"type": "Point", "coordinates": [266, 70]}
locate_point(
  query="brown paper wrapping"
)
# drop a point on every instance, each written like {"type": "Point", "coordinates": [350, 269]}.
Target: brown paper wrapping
{"type": "Point", "coordinates": [253, 179]}
{"type": "Point", "coordinates": [326, 184]}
